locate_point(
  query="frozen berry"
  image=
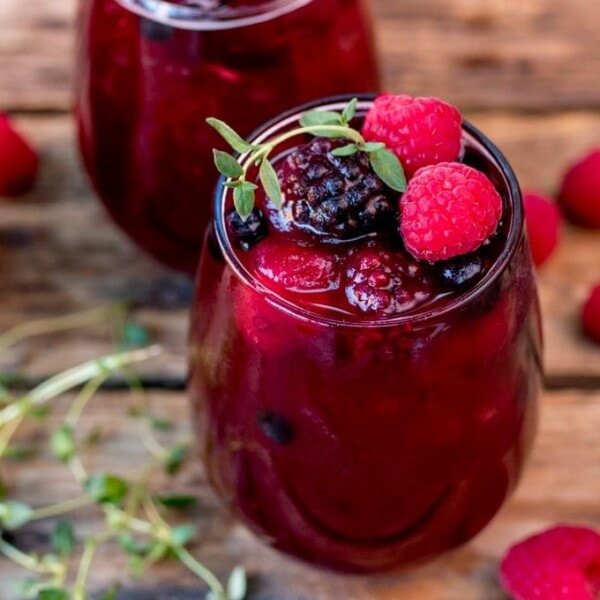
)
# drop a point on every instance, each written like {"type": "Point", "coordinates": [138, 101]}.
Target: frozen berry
{"type": "Point", "coordinates": [543, 223]}
{"type": "Point", "coordinates": [590, 314]}
{"type": "Point", "coordinates": [154, 31]}
{"type": "Point", "coordinates": [555, 564]}
{"type": "Point", "coordinates": [18, 161]}
{"type": "Point", "coordinates": [579, 196]}
{"type": "Point", "coordinates": [385, 282]}
{"type": "Point", "coordinates": [339, 196]}
{"type": "Point", "coordinates": [249, 232]}
{"type": "Point", "coordinates": [276, 427]}
{"type": "Point", "coordinates": [447, 210]}
{"type": "Point", "coordinates": [288, 266]}
{"type": "Point", "coordinates": [420, 131]}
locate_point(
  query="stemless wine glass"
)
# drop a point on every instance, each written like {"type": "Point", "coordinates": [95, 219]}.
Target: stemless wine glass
{"type": "Point", "coordinates": [151, 71]}
{"type": "Point", "coordinates": [362, 445]}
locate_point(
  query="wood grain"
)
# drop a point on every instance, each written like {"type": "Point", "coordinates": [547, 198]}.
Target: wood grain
{"type": "Point", "coordinates": [531, 54]}
{"type": "Point", "coordinates": [561, 484]}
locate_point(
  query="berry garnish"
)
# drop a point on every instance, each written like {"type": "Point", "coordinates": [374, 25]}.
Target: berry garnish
{"type": "Point", "coordinates": [579, 196]}
{"type": "Point", "coordinates": [288, 266]}
{"type": "Point", "coordinates": [462, 270]}
{"type": "Point", "coordinates": [322, 123]}
{"type": "Point", "coordinates": [247, 232]}
{"type": "Point", "coordinates": [543, 223]}
{"type": "Point", "coordinates": [590, 314]}
{"type": "Point", "coordinates": [385, 282]}
{"type": "Point", "coordinates": [337, 195]}
{"type": "Point", "coordinates": [448, 209]}
{"type": "Point", "coordinates": [420, 131]}
{"type": "Point", "coordinates": [562, 562]}
{"type": "Point", "coordinates": [18, 161]}
{"type": "Point", "coordinates": [154, 31]}
{"type": "Point", "coordinates": [276, 427]}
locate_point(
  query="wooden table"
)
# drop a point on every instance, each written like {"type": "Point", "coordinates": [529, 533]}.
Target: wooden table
{"type": "Point", "coordinates": [525, 72]}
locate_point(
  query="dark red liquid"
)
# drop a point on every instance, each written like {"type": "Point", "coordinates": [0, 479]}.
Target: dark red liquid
{"type": "Point", "coordinates": [144, 91]}
{"type": "Point", "coordinates": [360, 442]}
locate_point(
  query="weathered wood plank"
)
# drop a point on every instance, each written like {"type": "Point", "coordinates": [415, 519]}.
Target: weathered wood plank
{"type": "Point", "coordinates": [529, 54]}
{"type": "Point", "coordinates": [561, 484]}
{"type": "Point", "coordinates": [59, 253]}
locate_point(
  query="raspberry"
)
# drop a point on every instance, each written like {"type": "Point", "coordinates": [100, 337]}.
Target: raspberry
{"type": "Point", "coordinates": [590, 314]}
{"type": "Point", "coordinates": [18, 161]}
{"type": "Point", "coordinates": [385, 282]}
{"type": "Point", "coordinates": [447, 210]}
{"type": "Point", "coordinates": [543, 222]}
{"type": "Point", "coordinates": [288, 266]}
{"type": "Point", "coordinates": [562, 562]}
{"type": "Point", "coordinates": [420, 131]}
{"type": "Point", "coordinates": [339, 196]}
{"type": "Point", "coordinates": [579, 196]}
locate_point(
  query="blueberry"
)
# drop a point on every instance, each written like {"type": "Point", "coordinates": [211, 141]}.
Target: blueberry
{"type": "Point", "coordinates": [155, 31]}
{"type": "Point", "coordinates": [247, 233]}
{"type": "Point", "coordinates": [462, 270]}
{"type": "Point", "coordinates": [276, 427]}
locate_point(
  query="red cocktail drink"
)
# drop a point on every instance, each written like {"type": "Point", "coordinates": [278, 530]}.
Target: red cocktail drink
{"type": "Point", "coordinates": [149, 74]}
{"type": "Point", "coordinates": [356, 407]}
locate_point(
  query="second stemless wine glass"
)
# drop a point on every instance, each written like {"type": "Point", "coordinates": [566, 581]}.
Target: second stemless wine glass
{"type": "Point", "coordinates": [366, 444]}
{"type": "Point", "coordinates": [151, 71]}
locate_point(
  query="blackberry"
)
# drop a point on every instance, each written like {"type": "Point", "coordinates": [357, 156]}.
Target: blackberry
{"type": "Point", "coordinates": [247, 233]}
{"type": "Point", "coordinates": [338, 196]}
{"type": "Point", "coordinates": [462, 270]}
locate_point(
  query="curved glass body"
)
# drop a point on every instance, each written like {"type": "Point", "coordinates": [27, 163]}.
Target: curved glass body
{"type": "Point", "coordinates": [150, 73]}
{"type": "Point", "coordinates": [364, 445]}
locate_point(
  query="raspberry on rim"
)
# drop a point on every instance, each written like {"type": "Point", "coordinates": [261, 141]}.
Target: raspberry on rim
{"type": "Point", "coordinates": [420, 131]}
{"type": "Point", "coordinates": [448, 209]}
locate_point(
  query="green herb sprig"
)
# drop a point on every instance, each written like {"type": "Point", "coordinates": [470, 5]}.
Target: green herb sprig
{"type": "Point", "coordinates": [324, 123]}
{"type": "Point", "coordinates": [134, 517]}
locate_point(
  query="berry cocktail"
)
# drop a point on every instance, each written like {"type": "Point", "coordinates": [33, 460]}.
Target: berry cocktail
{"type": "Point", "coordinates": [150, 73]}
{"type": "Point", "coordinates": [365, 350]}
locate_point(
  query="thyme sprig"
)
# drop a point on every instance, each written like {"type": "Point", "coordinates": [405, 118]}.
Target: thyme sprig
{"type": "Point", "coordinates": [133, 516]}
{"type": "Point", "coordinates": [323, 123]}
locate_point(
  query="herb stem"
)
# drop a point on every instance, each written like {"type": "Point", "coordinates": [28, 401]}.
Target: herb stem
{"type": "Point", "coordinates": [82, 399]}
{"type": "Point", "coordinates": [200, 571]}
{"type": "Point", "coordinates": [25, 560]}
{"type": "Point", "coordinates": [54, 386]}
{"type": "Point", "coordinates": [54, 510]}
{"type": "Point", "coordinates": [265, 149]}
{"type": "Point", "coordinates": [7, 432]}
{"type": "Point", "coordinates": [85, 565]}
{"type": "Point", "coordinates": [62, 323]}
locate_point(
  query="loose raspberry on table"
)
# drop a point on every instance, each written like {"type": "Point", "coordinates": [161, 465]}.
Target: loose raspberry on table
{"type": "Point", "coordinates": [18, 161]}
{"type": "Point", "coordinates": [448, 209]}
{"type": "Point", "coordinates": [579, 195]}
{"type": "Point", "coordinates": [339, 196]}
{"type": "Point", "coordinates": [543, 226]}
{"type": "Point", "coordinates": [590, 314]}
{"type": "Point", "coordinates": [420, 131]}
{"type": "Point", "coordinates": [560, 563]}
{"type": "Point", "coordinates": [386, 282]}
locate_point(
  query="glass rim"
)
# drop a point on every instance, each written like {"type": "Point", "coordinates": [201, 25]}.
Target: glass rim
{"type": "Point", "coordinates": [196, 18]}
{"type": "Point", "coordinates": [484, 144]}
